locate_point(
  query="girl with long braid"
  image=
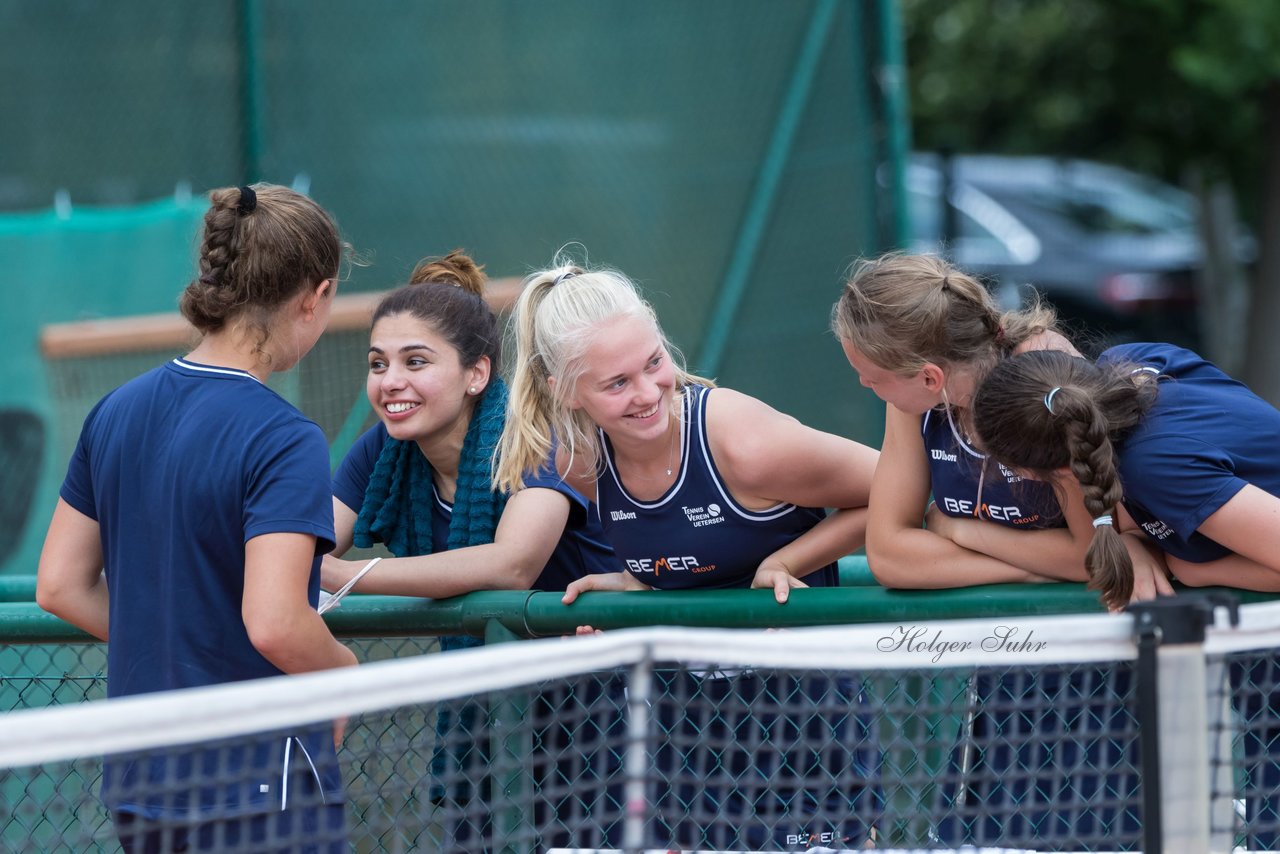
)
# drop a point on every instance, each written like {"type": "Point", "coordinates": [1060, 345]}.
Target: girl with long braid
{"type": "Point", "coordinates": [1163, 444]}
{"type": "Point", "coordinates": [922, 335]}
{"type": "Point", "coordinates": [1160, 441]}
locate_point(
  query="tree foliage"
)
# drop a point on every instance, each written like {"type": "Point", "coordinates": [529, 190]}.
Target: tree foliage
{"type": "Point", "coordinates": [1172, 88]}
{"type": "Point", "coordinates": [1156, 85]}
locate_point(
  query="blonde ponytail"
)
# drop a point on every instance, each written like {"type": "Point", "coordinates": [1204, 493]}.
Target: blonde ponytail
{"type": "Point", "coordinates": [554, 323]}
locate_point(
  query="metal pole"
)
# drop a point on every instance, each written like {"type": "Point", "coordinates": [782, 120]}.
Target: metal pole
{"type": "Point", "coordinates": [511, 748]}
{"type": "Point", "coordinates": [1148, 696]}
{"type": "Point", "coordinates": [1173, 720]}
{"type": "Point", "coordinates": [893, 86]}
{"type": "Point", "coordinates": [750, 235]}
{"type": "Point", "coordinates": [250, 90]}
{"type": "Point", "coordinates": [637, 764]}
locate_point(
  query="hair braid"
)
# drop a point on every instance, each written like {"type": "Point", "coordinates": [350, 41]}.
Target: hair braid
{"type": "Point", "coordinates": [254, 259]}
{"type": "Point", "coordinates": [1093, 463]}
{"type": "Point", "coordinates": [904, 311]}
{"type": "Point", "coordinates": [1043, 410]}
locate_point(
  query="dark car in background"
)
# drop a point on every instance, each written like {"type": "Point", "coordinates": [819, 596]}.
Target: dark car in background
{"type": "Point", "coordinates": [1116, 252]}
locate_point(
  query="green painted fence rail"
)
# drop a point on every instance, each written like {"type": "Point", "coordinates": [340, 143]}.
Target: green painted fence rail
{"type": "Point", "coordinates": [17, 588]}
{"type": "Point", "coordinates": [523, 614]}
{"type": "Point", "coordinates": [22, 588]}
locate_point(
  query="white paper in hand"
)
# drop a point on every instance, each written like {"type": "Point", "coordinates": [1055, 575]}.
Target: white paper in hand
{"type": "Point", "coordinates": [329, 601]}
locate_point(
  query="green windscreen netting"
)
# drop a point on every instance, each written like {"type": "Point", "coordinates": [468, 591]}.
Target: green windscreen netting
{"type": "Point", "coordinates": [733, 156]}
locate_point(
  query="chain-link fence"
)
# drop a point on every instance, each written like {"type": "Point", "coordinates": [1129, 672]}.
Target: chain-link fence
{"type": "Point", "coordinates": [1016, 732]}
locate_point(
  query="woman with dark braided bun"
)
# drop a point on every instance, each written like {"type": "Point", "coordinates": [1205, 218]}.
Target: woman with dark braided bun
{"type": "Point", "coordinates": [922, 335]}
{"type": "Point", "coordinates": [421, 482]}
{"type": "Point", "coordinates": [205, 496]}
{"type": "Point", "coordinates": [1165, 446]}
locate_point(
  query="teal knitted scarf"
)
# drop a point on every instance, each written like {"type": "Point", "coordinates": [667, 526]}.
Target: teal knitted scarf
{"type": "Point", "coordinates": [397, 503]}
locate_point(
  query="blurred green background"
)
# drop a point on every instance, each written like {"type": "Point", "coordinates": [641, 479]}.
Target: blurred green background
{"type": "Point", "coordinates": [733, 156]}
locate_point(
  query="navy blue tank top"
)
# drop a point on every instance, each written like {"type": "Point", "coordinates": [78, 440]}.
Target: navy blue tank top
{"type": "Point", "coordinates": [696, 534]}
{"type": "Point", "coordinates": [959, 473]}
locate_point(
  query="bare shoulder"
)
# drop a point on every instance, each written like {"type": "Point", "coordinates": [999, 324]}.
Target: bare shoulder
{"type": "Point", "coordinates": [748, 422]}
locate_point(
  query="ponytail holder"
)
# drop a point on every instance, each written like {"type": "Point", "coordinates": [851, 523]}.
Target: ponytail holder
{"type": "Point", "coordinates": [1000, 334]}
{"type": "Point", "coordinates": [248, 201]}
{"type": "Point", "coordinates": [567, 274]}
{"type": "Point", "coordinates": [946, 284]}
{"type": "Point", "coordinates": [1104, 519]}
{"type": "Point", "coordinates": [1048, 401]}
{"type": "Point", "coordinates": [209, 279]}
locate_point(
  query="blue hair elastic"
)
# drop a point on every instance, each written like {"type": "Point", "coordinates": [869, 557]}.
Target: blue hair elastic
{"type": "Point", "coordinates": [1048, 399]}
{"type": "Point", "coordinates": [1104, 519]}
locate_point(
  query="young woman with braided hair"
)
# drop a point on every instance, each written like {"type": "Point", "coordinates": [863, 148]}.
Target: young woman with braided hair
{"type": "Point", "coordinates": [1165, 444]}
{"type": "Point", "coordinates": [189, 532]}
{"type": "Point", "coordinates": [922, 335]}
{"type": "Point", "coordinates": [1160, 441]}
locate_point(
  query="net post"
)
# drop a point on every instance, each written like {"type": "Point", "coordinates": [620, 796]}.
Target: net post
{"type": "Point", "coordinates": [1222, 795]}
{"type": "Point", "coordinates": [636, 770]}
{"type": "Point", "coordinates": [510, 745]}
{"type": "Point", "coordinates": [1173, 722]}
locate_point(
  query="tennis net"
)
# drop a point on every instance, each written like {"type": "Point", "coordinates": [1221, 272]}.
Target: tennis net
{"type": "Point", "coordinates": [1019, 733]}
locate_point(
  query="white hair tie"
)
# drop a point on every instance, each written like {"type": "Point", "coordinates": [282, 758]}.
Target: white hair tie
{"type": "Point", "coordinates": [1104, 519]}
{"type": "Point", "coordinates": [1048, 399]}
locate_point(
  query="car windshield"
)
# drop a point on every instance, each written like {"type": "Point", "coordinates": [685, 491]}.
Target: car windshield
{"type": "Point", "coordinates": [1114, 201]}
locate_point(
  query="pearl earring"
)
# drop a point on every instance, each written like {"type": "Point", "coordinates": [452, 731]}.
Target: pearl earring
{"type": "Point", "coordinates": [472, 389]}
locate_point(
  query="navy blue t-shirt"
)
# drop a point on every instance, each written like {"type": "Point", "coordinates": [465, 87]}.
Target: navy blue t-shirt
{"type": "Point", "coordinates": [580, 551]}
{"type": "Point", "coordinates": [1204, 439]}
{"type": "Point", "coordinates": [696, 535]}
{"type": "Point", "coordinates": [181, 467]}
{"type": "Point", "coordinates": [959, 473]}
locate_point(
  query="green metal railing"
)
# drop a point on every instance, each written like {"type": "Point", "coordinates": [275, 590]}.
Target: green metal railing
{"type": "Point", "coordinates": [526, 614]}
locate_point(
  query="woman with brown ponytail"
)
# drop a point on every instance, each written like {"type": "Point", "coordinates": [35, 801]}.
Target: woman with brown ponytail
{"type": "Point", "coordinates": [922, 335]}
{"type": "Point", "coordinates": [421, 482]}
{"type": "Point", "coordinates": [1164, 444]}
{"type": "Point", "coordinates": [421, 479]}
